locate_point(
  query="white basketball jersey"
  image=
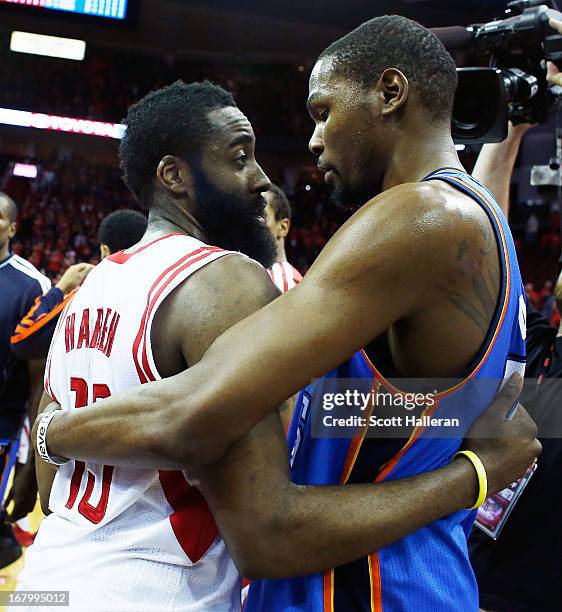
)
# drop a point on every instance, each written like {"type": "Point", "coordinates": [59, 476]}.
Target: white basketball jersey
{"type": "Point", "coordinates": [284, 275]}
{"type": "Point", "coordinates": [126, 539]}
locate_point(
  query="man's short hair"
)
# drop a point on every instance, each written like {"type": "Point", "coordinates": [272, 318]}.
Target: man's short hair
{"type": "Point", "coordinates": [392, 41]}
{"type": "Point", "coordinates": [122, 229]}
{"type": "Point", "coordinates": [280, 203]}
{"type": "Point", "coordinates": [169, 121]}
{"type": "Point", "coordinates": [12, 206]}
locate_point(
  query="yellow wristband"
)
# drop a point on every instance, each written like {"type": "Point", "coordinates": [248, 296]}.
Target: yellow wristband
{"type": "Point", "coordinates": [481, 473]}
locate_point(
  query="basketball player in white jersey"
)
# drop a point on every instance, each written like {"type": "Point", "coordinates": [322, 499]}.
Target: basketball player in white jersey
{"type": "Point", "coordinates": [278, 219]}
{"type": "Point", "coordinates": [125, 539]}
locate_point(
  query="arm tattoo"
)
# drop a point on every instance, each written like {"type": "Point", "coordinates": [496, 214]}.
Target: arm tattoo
{"type": "Point", "coordinates": [471, 311]}
{"type": "Point", "coordinates": [479, 306]}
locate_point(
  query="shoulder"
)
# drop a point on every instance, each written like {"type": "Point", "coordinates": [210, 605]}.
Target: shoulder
{"type": "Point", "coordinates": [27, 274]}
{"type": "Point", "coordinates": [411, 241]}
{"type": "Point", "coordinates": [213, 299]}
{"type": "Point", "coordinates": [432, 209]}
{"type": "Point", "coordinates": [425, 222]}
{"type": "Point", "coordinates": [235, 273]}
{"type": "Point", "coordinates": [233, 283]}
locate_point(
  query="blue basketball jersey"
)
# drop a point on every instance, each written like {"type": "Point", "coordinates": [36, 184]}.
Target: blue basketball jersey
{"type": "Point", "coordinates": [429, 570]}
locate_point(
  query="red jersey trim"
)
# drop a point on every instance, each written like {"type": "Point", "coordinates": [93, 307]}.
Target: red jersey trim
{"type": "Point", "coordinates": [122, 257]}
{"type": "Point", "coordinates": [142, 366]}
{"type": "Point", "coordinates": [191, 520]}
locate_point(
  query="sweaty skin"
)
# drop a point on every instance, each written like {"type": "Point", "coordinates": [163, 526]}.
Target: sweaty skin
{"type": "Point", "coordinates": [415, 268]}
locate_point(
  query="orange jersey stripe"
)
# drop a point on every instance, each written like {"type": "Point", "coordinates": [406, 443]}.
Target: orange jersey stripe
{"type": "Point", "coordinates": [329, 591]}
{"type": "Point", "coordinates": [356, 443]}
{"type": "Point", "coordinates": [376, 587]}
{"type": "Point", "coordinates": [28, 326]}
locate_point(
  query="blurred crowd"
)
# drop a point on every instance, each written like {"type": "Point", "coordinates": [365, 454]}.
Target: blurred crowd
{"type": "Point", "coordinates": [106, 83]}
{"type": "Point", "coordinates": [60, 211]}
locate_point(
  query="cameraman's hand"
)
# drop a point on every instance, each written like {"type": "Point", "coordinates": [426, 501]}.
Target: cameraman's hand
{"type": "Point", "coordinates": [74, 277]}
{"type": "Point", "coordinates": [506, 448]}
{"type": "Point", "coordinates": [554, 75]}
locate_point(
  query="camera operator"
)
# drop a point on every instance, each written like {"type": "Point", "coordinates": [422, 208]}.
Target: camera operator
{"type": "Point", "coordinates": [522, 569]}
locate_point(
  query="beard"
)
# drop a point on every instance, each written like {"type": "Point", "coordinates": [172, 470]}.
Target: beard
{"type": "Point", "coordinates": [347, 198]}
{"type": "Point", "coordinates": [351, 197]}
{"type": "Point", "coordinates": [344, 198]}
{"type": "Point", "coordinates": [232, 222]}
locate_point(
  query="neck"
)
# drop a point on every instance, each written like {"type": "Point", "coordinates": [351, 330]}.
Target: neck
{"type": "Point", "coordinates": [281, 255]}
{"type": "Point", "coordinates": [420, 154]}
{"type": "Point", "coordinates": [170, 220]}
{"type": "Point", "coordinates": [4, 251]}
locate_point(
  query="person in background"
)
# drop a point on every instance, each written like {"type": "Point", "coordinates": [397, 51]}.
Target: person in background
{"type": "Point", "coordinates": [284, 275]}
{"type": "Point", "coordinates": [521, 571]}
{"type": "Point", "coordinates": [278, 219]}
{"type": "Point", "coordinates": [32, 336]}
{"type": "Point", "coordinates": [20, 382]}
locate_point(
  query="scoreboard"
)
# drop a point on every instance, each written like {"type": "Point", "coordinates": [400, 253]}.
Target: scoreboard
{"type": "Point", "coordinates": [113, 9]}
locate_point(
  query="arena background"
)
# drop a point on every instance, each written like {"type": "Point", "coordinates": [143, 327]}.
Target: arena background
{"type": "Point", "coordinates": [260, 50]}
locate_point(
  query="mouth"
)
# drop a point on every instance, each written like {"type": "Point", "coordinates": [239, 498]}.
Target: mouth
{"type": "Point", "coordinates": [260, 210]}
{"type": "Point", "coordinates": [329, 173]}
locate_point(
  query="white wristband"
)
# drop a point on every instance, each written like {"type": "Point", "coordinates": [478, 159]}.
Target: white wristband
{"type": "Point", "coordinates": [44, 423]}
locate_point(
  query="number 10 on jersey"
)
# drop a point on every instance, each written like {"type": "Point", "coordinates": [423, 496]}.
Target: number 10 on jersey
{"type": "Point", "coordinates": [93, 513]}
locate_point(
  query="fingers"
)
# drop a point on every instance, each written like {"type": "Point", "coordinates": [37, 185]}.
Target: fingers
{"type": "Point", "coordinates": [524, 424]}
{"type": "Point", "coordinates": [555, 24]}
{"type": "Point", "coordinates": [508, 395]}
{"type": "Point", "coordinates": [553, 75]}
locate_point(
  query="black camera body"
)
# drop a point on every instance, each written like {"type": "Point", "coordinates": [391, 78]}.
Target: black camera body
{"type": "Point", "coordinates": [513, 86]}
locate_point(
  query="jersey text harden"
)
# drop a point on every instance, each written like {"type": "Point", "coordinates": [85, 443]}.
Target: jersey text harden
{"type": "Point", "coordinates": [97, 335]}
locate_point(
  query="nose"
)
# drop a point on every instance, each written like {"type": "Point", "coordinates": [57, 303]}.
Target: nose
{"type": "Point", "coordinates": [316, 144]}
{"type": "Point", "coordinates": [261, 181]}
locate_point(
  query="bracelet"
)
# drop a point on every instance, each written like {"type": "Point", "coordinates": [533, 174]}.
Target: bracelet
{"type": "Point", "coordinates": [42, 450]}
{"type": "Point", "coordinates": [481, 473]}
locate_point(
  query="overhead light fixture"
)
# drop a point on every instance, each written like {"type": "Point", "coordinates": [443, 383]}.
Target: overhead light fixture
{"type": "Point", "coordinates": [25, 170]}
{"type": "Point", "coordinates": [42, 121]}
{"type": "Point", "coordinates": [51, 46]}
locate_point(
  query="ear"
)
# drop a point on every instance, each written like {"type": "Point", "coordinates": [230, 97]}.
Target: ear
{"type": "Point", "coordinates": [105, 251]}
{"type": "Point", "coordinates": [12, 230]}
{"type": "Point", "coordinates": [395, 88]}
{"type": "Point", "coordinates": [174, 174]}
{"type": "Point", "coordinates": [283, 228]}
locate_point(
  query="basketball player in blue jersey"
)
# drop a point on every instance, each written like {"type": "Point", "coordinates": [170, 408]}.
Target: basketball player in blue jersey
{"type": "Point", "coordinates": [20, 381]}
{"type": "Point", "coordinates": [422, 281]}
